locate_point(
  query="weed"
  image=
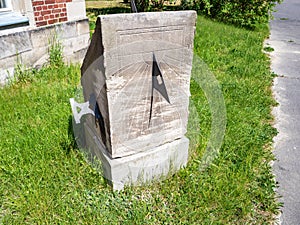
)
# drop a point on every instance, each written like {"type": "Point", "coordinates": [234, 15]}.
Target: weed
{"type": "Point", "coordinates": [268, 49]}
{"type": "Point", "coordinates": [55, 52]}
{"type": "Point", "coordinates": [21, 74]}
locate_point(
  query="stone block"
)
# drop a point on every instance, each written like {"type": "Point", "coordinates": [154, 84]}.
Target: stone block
{"type": "Point", "coordinates": [5, 74]}
{"type": "Point", "coordinates": [13, 44]}
{"type": "Point", "coordinates": [83, 27]}
{"type": "Point", "coordinates": [74, 44]}
{"type": "Point", "coordinates": [139, 168]}
{"type": "Point", "coordinates": [66, 30]}
{"type": "Point", "coordinates": [41, 37]}
{"type": "Point", "coordinates": [36, 58]}
{"type": "Point", "coordinates": [8, 62]}
{"type": "Point", "coordinates": [118, 70]}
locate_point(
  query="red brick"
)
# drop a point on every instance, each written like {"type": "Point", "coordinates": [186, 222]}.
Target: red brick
{"type": "Point", "coordinates": [35, 3]}
{"type": "Point", "coordinates": [49, 1]}
{"type": "Point", "coordinates": [36, 13]}
{"type": "Point", "coordinates": [50, 6]}
{"type": "Point", "coordinates": [40, 18]}
{"type": "Point", "coordinates": [56, 15]}
{"type": "Point", "coordinates": [42, 23]}
{"type": "Point", "coordinates": [52, 21]}
{"type": "Point", "coordinates": [37, 8]}
{"type": "Point", "coordinates": [61, 5]}
{"type": "Point", "coordinates": [56, 10]}
{"type": "Point", "coordinates": [62, 14]}
{"type": "Point", "coordinates": [63, 19]}
{"type": "Point", "coordinates": [46, 12]}
{"type": "Point", "coordinates": [59, 1]}
{"type": "Point", "coordinates": [64, 9]}
{"type": "Point", "coordinates": [45, 7]}
{"type": "Point", "coordinates": [51, 16]}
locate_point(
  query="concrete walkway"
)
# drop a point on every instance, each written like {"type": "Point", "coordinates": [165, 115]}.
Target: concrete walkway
{"type": "Point", "coordinates": [285, 60]}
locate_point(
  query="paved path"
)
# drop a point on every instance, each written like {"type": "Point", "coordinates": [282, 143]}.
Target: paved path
{"type": "Point", "coordinates": [285, 60]}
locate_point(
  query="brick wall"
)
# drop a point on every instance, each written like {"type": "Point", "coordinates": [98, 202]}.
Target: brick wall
{"type": "Point", "coordinates": [48, 12]}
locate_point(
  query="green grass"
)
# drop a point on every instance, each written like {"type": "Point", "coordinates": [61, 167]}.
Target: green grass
{"type": "Point", "coordinates": [44, 179]}
{"type": "Point", "coordinates": [106, 4]}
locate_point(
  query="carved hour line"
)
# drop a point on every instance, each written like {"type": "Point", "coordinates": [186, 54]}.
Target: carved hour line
{"type": "Point", "coordinates": [178, 74]}
{"type": "Point", "coordinates": [144, 68]}
{"type": "Point", "coordinates": [152, 29]}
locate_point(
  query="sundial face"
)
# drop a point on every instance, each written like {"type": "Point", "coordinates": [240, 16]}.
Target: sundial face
{"type": "Point", "coordinates": [145, 109]}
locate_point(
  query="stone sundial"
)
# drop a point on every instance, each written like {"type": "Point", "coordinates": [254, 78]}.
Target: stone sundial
{"type": "Point", "coordinates": [137, 69]}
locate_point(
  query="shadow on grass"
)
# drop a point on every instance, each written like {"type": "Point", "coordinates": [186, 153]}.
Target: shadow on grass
{"type": "Point", "coordinates": [69, 144]}
{"type": "Point", "coordinates": [126, 9]}
{"type": "Point", "coordinates": [172, 8]}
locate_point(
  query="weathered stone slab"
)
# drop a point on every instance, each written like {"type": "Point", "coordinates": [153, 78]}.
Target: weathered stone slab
{"type": "Point", "coordinates": [14, 44]}
{"type": "Point", "coordinates": [118, 71]}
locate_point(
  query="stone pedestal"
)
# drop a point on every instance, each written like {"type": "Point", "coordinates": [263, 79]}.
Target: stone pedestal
{"type": "Point", "coordinates": [141, 167]}
{"type": "Point", "coordinates": [136, 75]}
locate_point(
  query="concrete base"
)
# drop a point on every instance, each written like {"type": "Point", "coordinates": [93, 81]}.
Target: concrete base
{"type": "Point", "coordinates": [141, 167]}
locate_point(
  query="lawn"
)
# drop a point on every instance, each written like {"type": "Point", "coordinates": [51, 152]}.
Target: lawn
{"type": "Point", "coordinates": [44, 179]}
{"type": "Point", "coordinates": [106, 4]}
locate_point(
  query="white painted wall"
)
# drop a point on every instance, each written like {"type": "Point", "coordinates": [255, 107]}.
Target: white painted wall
{"type": "Point", "coordinates": [25, 8]}
{"type": "Point", "coordinates": [76, 10]}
